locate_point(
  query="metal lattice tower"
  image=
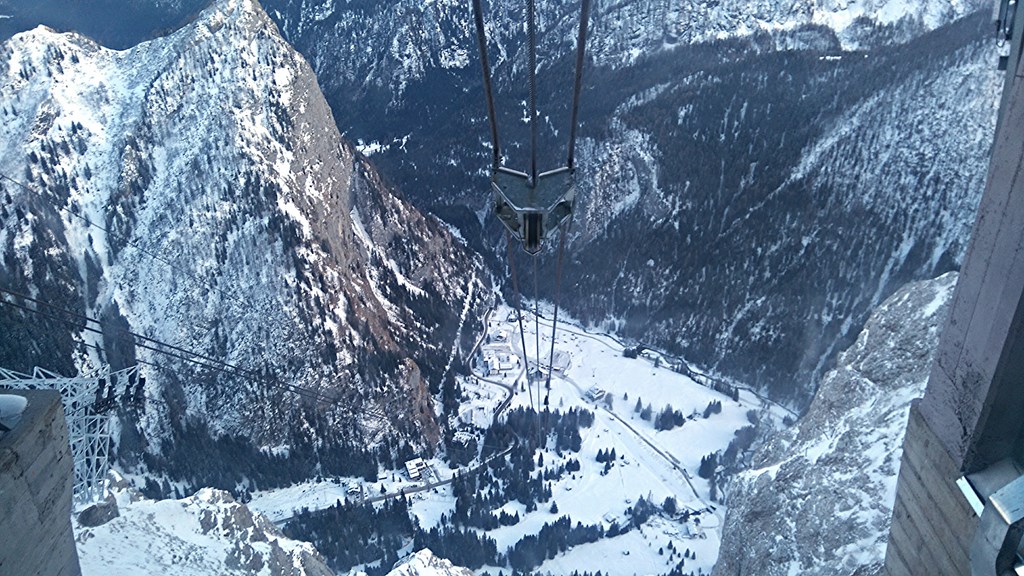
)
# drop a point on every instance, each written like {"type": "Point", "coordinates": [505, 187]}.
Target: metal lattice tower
{"type": "Point", "coordinates": [87, 411]}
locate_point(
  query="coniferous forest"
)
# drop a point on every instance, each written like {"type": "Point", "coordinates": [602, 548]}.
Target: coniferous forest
{"type": "Point", "coordinates": [355, 534]}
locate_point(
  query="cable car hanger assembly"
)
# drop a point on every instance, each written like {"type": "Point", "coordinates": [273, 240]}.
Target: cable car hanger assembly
{"type": "Point", "coordinates": [532, 205]}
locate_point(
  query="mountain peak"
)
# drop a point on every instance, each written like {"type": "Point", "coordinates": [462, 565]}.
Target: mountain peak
{"type": "Point", "coordinates": [197, 188]}
{"type": "Point", "coordinates": [425, 563]}
{"type": "Point", "coordinates": [245, 13]}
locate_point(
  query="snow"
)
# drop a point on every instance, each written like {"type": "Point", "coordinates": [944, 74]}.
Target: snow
{"type": "Point", "coordinates": [164, 139]}
{"type": "Point", "coordinates": [371, 148]}
{"type": "Point", "coordinates": [651, 464]}
{"type": "Point", "coordinates": [360, 230]}
{"type": "Point", "coordinates": [194, 536]}
{"type": "Point", "coordinates": [425, 563]}
{"type": "Point", "coordinates": [636, 552]}
{"type": "Point", "coordinates": [826, 503]}
{"type": "Point", "coordinates": [282, 503]}
{"type": "Point", "coordinates": [467, 305]}
{"type": "Point", "coordinates": [939, 300]}
{"type": "Point", "coordinates": [283, 78]}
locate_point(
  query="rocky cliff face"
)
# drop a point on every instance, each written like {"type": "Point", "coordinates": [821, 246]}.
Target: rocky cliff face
{"type": "Point", "coordinates": [195, 190]}
{"type": "Point", "coordinates": [205, 534]}
{"type": "Point", "coordinates": [820, 496]}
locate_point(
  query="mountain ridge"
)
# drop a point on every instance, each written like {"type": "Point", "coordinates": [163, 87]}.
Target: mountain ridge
{"type": "Point", "coordinates": [195, 189]}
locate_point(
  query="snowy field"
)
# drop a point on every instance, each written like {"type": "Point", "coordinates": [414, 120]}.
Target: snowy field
{"type": "Point", "coordinates": [282, 503]}
{"type": "Point", "coordinates": [591, 372]}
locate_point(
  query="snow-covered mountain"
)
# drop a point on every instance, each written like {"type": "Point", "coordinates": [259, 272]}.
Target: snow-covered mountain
{"type": "Point", "coordinates": [398, 42]}
{"type": "Point", "coordinates": [715, 136]}
{"type": "Point", "coordinates": [424, 563]}
{"type": "Point", "coordinates": [820, 496]}
{"type": "Point", "coordinates": [762, 208]}
{"type": "Point", "coordinates": [206, 534]}
{"type": "Point", "coordinates": [195, 189]}
{"type": "Point", "coordinates": [762, 186]}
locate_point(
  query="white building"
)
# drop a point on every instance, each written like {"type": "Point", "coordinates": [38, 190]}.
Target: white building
{"type": "Point", "coordinates": [415, 467]}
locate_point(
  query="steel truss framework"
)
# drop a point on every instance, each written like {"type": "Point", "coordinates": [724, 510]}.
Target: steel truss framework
{"type": "Point", "coordinates": [88, 414]}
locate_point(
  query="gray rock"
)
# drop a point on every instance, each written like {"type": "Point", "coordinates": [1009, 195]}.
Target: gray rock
{"type": "Point", "coordinates": [99, 514]}
{"type": "Point", "coordinates": [819, 499]}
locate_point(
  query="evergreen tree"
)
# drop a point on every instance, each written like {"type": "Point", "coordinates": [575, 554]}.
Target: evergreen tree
{"type": "Point", "coordinates": [708, 464]}
{"type": "Point", "coordinates": [645, 414]}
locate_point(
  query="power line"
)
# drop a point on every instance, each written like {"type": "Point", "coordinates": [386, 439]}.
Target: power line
{"type": "Point", "coordinates": [172, 351]}
{"type": "Point", "coordinates": [519, 313]}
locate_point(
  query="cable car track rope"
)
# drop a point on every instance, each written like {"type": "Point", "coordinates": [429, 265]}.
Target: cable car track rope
{"type": "Point", "coordinates": [529, 220]}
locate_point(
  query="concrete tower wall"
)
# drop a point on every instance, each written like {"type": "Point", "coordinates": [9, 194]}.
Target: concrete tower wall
{"type": "Point", "coordinates": [36, 480]}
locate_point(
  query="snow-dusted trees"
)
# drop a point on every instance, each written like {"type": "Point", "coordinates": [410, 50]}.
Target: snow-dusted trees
{"type": "Point", "coordinates": [668, 418]}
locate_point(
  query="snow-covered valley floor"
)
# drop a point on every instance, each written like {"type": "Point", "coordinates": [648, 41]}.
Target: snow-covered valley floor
{"type": "Point", "coordinates": [591, 372]}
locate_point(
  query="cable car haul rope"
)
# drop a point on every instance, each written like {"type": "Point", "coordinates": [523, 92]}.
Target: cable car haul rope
{"type": "Point", "coordinates": [531, 206]}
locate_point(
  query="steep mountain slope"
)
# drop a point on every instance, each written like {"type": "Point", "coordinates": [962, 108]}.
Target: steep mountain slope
{"type": "Point", "coordinates": [821, 496]}
{"type": "Point", "coordinates": [763, 209]}
{"type": "Point", "coordinates": [762, 192]}
{"type": "Point", "coordinates": [195, 189]}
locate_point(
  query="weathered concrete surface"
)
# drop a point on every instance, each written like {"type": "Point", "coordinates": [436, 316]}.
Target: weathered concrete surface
{"type": "Point", "coordinates": [36, 479]}
{"type": "Point", "coordinates": [975, 394]}
{"type": "Point", "coordinates": [932, 523]}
